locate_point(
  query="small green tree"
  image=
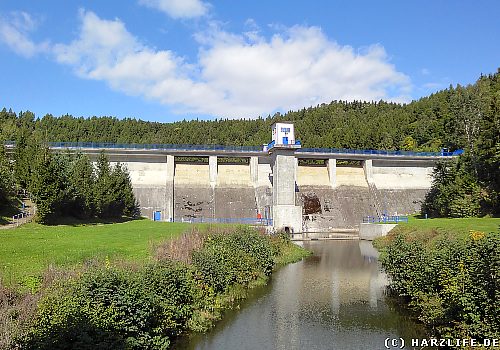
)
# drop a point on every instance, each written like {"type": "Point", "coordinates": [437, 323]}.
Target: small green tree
{"type": "Point", "coordinates": [454, 192]}
{"type": "Point", "coordinates": [124, 196]}
{"type": "Point", "coordinates": [81, 181]}
{"type": "Point", "coordinates": [6, 178]}
{"type": "Point", "coordinates": [113, 191]}
{"type": "Point", "coordinates": [47, 186]}
{"type": "Point", "coordinates": [103, 189]}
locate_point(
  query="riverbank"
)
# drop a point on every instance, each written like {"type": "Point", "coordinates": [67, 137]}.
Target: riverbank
{"type": "Point", "coordinates": [185, 287]}
{"type": "Point", "coordinates": [447, 270]}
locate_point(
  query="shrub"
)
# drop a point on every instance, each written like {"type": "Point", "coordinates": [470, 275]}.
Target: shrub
{"type": "Point", "coordinates": [180, 248]}
{"type": "Point", "coordinates": [453, 282]}
{"type": "Point", "coordinates": [112, 308]}
{"type": "Point", "coordinates": [240, 257]}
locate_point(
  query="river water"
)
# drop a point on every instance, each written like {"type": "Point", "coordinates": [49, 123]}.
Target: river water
{"type": "Point", "coordinates": [333, 299]}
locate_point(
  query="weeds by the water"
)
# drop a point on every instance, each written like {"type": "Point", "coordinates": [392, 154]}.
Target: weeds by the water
{"type": "Point", "coordinates": [16, 312]}
{"type": "Point", "coordinates": [182, 247]}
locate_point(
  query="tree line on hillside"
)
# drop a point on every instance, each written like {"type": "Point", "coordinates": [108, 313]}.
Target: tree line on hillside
{"type": "Point", "coordinates": [66, 184]}
{"type": "Point", "coordinates": [446, 119]}
{"type": "Point", "coordinates": [470, 185]}
{"type": "Point", "coordinates": [6, 178]}
{"type": "Point", "coordinates": [461, 117]}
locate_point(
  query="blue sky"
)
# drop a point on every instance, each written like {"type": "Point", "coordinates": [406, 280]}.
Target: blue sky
{"type": "Point", "coordinates": [168, 60]}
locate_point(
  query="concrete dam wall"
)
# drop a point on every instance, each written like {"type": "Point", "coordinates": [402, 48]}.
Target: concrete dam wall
{"type": "Point", "coordinates": [331, 197]}
{"type": "Point", "coordinates": [229, 195]}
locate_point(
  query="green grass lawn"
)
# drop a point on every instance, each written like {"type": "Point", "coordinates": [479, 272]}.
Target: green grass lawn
{"type": "Point", "coordinates": [25, 252]}
{"type": "Point", "coordinates": [457, 225]}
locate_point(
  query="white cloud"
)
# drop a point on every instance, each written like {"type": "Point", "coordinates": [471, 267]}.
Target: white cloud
{"type": "Point", "coordinates": [296, 68]}
{"type": "Point", "coordinates": [178, 8]}
{"type": "Point", "coordinates": [433, 86]}
{"type": "Point", "coordinates": [234, 75]}
{"type": "Point", "coordinates": [14, 30]}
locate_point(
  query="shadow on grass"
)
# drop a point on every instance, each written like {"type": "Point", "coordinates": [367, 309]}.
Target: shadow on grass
{"type": "Point", "coordinates": [9, 210]}
{"type": "Point", "coordinates": [72, 221]}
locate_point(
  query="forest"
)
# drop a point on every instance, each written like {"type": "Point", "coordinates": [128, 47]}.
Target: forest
{"type": "Point", "coordinates": [460, 117]}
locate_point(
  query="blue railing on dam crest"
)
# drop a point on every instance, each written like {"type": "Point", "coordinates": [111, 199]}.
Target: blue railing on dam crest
{"type": "Point", "coordinates": [385, 219]}
{"type": "Point", "coordinates": [246, 221]}
{"type": "Point", "coordinates": [154, 146]}
{"type": "Point", "coordinates": [223, 148]}
{"type": "Point", "coordinates": [379, 152]}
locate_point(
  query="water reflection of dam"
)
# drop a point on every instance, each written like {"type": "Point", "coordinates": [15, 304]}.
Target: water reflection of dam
{"type": "Point", "coordinates": [339, 300]}
{"type": "Point", "coordinates": [331, 300]}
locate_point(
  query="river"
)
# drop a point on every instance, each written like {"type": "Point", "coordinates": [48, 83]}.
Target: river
{"type": "Point", "coordinates": [334, 299]}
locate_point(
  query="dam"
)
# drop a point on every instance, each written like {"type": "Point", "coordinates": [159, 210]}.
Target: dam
{"type": "Point", "coordinates": [280, 184]}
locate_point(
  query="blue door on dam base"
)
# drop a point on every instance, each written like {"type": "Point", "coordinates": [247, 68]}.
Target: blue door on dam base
{"type": "Point", "coordinates": [285, 140]}
{"type": "Point", "coordinates": [157, 216]}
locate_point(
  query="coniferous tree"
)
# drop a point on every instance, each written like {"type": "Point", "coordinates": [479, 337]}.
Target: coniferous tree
{"type": "Point", "coordinates": [23, 155]}
{"type": "Point", "coordinates": [103, 189]}
{"type": "Point", "coordinates": [81, 181]}
{"type": "Point", "coordinates": [6, 178]}
{"type": "Point", "coordinates": [47, 186]}
{"type": "Point", "coordinates": [454, 193]}
{"type": "Point", "coordinates": [113, 191]}
{"type": "Point", "coordinates": [126, 203]}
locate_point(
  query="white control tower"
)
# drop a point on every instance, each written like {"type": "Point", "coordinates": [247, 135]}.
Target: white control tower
{"type": "Point", "coordinates": [283, 134]}
{"type": "Point", "coordinates": [287, 215]}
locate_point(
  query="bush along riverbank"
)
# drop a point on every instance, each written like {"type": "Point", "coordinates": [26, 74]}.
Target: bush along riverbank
{"type": "Point", "coordinates": [452, 280]}
{"type": "Point", "coordinates": [186, 287]}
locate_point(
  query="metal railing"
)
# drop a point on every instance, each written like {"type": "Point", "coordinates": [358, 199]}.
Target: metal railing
{"type": "Point", "coordinates": [156, 146]}
{"type": "Point", "coordinates": [223, 148]}
{"type": "Point", "coordinates": [379, 152]}
{"type": "Point", "coordinates": [18, 218]}
{"type": "Point", "coordinates": [271, 144]}
{"type": "Point", "coordinates": [246, 221]}
{"type": "Point", "coordinates": [386, 219]}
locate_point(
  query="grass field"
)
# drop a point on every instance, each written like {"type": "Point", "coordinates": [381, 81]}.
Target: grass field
{"type": "Point", "coordinates": [457, 225]}
{"type": "Point", "coordinates": [25, 252]}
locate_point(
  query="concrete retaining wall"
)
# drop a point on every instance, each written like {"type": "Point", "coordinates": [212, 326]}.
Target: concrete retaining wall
{"type": "Point", "coordinates": [342, 207]}
{"type": "Point", "coordinates": [371, 231]}
{"type": "Point", "coordinates": [152, 198]}
{"type": "Point", "coordinates": [350, 176]}
{"type": "Point", "coordinates": [193, 202]}
{"type": "Point", "coordinates": [401, 201]}
{"type": "Point", "coordinates": [152, 182]}
{"type": "Point", "coordinates": [192, 174]}
{"type": "Point", "coordinates": [233, 175]}
{"type": "Point", "coordinates": [312, 176]}
{"type": "Point", "coordinates": [402, 175]}
{"type": "Point", "coordinates": [264, 173]}
{"type": "Point", "coordinates": [235, 203]}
